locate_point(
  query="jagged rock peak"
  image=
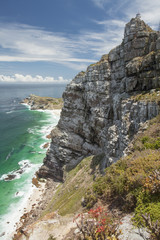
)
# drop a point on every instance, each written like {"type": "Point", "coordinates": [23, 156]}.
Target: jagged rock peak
{"type": "Point", "coordinates": [100, 114]}
{"type": "Point", "coordinates": [136, 28]}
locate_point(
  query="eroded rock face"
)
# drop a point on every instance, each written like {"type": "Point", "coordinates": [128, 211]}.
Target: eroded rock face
{"type": "Point", "coordinates": [99, 115]}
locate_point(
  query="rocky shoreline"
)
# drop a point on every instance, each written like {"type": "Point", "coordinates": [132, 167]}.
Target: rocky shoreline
{"type": "Point", "coordinates": [42, 191]}
{"type": "Point", "coordinates": [43, 103]}
{"type": "Point", "coordinates": [36, 203]}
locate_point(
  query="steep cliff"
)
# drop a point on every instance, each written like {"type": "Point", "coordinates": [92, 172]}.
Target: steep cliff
{"type": "Point", "coordinates": [101, 113]}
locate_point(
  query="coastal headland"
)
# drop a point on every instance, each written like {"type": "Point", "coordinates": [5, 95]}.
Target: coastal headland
{"type": "Point", "coordinates": [37, 102]}
{"type": "Point", "coordinates": [105, 149]}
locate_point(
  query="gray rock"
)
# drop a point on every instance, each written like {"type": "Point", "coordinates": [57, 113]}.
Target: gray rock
{"type": "Point", "coordinates": [158, 44]}
{"type": "Point", "coordinates": [2, 234]}
{"type": "Point", "coordinates": [130, 232]}
{"type": "Point", "coordinates": [99, 115]}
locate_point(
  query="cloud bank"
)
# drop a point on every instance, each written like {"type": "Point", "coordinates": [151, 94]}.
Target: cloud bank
{"type": "Point", "coordinates": [29, 79]}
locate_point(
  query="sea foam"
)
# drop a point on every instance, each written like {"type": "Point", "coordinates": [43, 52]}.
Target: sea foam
{"type": "Point", "coordinates": [25, 166]}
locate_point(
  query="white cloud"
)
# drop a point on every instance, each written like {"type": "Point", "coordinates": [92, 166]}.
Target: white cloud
{"type": "Point", "coordinates": [149, 10]}
{"type": "Point", "coordinates": [99, 3]}
{"type": "Point", "coordinates": [127, 9]}
{"type": "Point", "coordinates": [29, 79]}
{"type": "Point", "coordinates": [102, 42]}
{"type": "Point", "coordinates": [24, 43]}
{"type": "Point", "coordinates": [30, 44]}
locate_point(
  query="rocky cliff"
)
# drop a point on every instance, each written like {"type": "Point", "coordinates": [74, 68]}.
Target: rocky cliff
{"type": "Point", "coordinates": [101, 112]}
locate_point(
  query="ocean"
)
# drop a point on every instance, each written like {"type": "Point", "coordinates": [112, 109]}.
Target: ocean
{"type": "Point", "coordinates": [22, 134]}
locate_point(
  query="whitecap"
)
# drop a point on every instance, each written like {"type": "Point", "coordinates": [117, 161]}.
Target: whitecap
{"type": "Point", "coordinates": [40, 110]}
{"type": "Point", "coordinates": [31, 130]}
{"type": "Point", "coordinates": [10, 112]}
{"type": "Point", "coordinates": [24, 163]}
{"type": "Point", "coordinates": [19, 194]}
{"type": "Point", "coordinates": [9, 154]}
{"type": "Point", "coordinates": [25, 166]}
{"type": "Point", "coordinates": [43, 144]}
{"type": "Point", "coordinates": [28, 106]}
{"type": "Point", "coordinates": [41, 152]}
{"type": "Point", "coordinates": [16, 210]}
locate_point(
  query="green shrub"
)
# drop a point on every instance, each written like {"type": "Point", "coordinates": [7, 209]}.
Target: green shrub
{"type": "Point", "coordinates": [151, 143]}
{"type": "Point", "coordinates": [145, 139]}
{"type": "Point", "coordinates": [147, 204]}
{"type": "Point", "coordinates": [126, 178]}
{"type": "Point", "coordinates": [89, 200]}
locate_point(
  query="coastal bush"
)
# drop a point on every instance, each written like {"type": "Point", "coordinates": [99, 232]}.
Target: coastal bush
{"type": "Point", "coordinates": [70, 195]}
{"type": "Point", "coordinates": [147, 204]}
{"type": "Point", "coordinates": [148, 96]}
{"type": "Point", "coordinates": [127, 176]}
{"type": "Point", "coordinates": [153, 227]}
{"type": "Point", "coordinates": [89, 200]}
{"type": "Point", "coordinates": [98, 224]}
{"type": "Point", "coordinates": [148, 201]}
{"type": "Point", "coordinates": [134, 181]}
{"type": "Point", "coordinates": [151, 143]}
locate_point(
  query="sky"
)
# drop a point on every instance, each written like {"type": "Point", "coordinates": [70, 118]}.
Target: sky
{"type": "Point", "coordinates": [52, 40]}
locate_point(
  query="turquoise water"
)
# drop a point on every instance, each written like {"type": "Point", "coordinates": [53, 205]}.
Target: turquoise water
{"type": "Point", "coordinates": [22, 134]}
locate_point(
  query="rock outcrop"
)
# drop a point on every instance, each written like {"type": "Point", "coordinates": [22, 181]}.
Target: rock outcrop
{"type": "Point", "coordinates": [100, 113]}
{"type": "Point", "coordinates": [37, 102]}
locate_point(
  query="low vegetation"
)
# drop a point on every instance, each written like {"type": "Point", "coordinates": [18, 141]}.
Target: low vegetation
{"type": "Point", "coordinates": [69, 195]}
{"type": "Point", "coordinates": [134, 181]}
{"type": "Point", "coordinates": [37, 102]}
{"type": "Point", "coordinates": [98, 224]}
{"type": "Point", "coordinates": [150, 96]}
{"type": "Point", "coordinates": [132, 184]}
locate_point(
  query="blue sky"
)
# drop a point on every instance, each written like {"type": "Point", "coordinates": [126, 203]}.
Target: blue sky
{"type": "Point", "coordinates": [52, 40]}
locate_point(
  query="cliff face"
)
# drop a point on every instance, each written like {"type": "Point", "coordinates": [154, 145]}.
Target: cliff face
{"type": "Point", "coordinates": [100, 113]}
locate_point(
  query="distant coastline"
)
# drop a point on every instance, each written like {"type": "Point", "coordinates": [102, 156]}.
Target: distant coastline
{"type": "Point", "coordinates": [41, 191]}
{"type": "Point", "coordinates": [44, 103]}
{"type": "Point", "coordinates": [52, 107]}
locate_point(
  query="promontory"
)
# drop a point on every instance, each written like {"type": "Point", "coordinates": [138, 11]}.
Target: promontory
{"type": "Point", "coordinates": [37, 102]}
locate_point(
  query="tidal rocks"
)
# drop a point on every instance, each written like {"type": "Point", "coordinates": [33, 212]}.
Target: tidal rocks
{"type": "Point", "coordinates": [99, 114]}
{"type": "Point", "coordinates": [16, 174]}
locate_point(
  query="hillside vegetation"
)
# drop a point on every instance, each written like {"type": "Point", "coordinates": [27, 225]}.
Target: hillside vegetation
{"type": "Point", "coordinates": [132, 184]}
{"type": "Point", "coordinates": [69, 195]}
